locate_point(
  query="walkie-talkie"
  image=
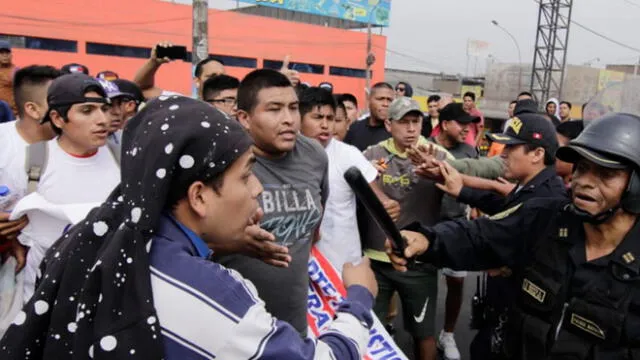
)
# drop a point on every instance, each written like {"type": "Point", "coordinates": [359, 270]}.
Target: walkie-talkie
{"type": "Point", "coordinates": [477, 306]}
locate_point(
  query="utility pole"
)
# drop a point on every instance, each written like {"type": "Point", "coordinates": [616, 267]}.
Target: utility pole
{"type": "Point", "coordinates": [200, 46]}
{"type": "Point", "coordinates": [635, 67]}
{"type": "Point", "coordinates": [371, 59]}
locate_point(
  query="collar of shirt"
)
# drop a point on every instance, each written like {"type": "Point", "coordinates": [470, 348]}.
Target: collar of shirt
{"type": "Point", "coordinates": [547, 174]}
{"type": "Point", "coordinates": [626, 254]}
{"type": "Point", "coordinates": [201, 247]}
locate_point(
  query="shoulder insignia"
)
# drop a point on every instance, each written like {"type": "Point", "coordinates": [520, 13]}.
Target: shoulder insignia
{"type": "Point", "coordinates": [628, 258]}
{"type": "Point", "coordinates": [504, 214]}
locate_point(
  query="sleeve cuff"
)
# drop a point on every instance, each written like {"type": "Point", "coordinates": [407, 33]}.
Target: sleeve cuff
{"type": "Point", "coordinates": [465, 195]}
{"type": "Point", "coordinates": [358, 303]}
{"type": "Point", "coordinates": [360, 294]}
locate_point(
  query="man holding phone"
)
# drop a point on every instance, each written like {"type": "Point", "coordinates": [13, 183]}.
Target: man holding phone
{"type": "Point", "coordinates": [165, 52]}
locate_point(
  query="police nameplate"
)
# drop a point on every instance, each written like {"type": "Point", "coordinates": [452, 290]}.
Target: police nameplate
{"type": "Point", "coordinates": [534, 290]}
{"type": "Point", "coordinates": [587, 325]}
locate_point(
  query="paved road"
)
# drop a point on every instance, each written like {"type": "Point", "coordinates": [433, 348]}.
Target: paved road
{"type": "Point", "coordinates": [463, 334]}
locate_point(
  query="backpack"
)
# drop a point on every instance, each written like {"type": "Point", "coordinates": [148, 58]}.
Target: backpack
{"type": "Point", "coordinates": [38, 157]}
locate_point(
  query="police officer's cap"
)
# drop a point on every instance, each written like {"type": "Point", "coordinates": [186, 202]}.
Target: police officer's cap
{"type": "Point", "coordinates": [612, 141]}
{"type": "Point", "coordinates": [528, 128]}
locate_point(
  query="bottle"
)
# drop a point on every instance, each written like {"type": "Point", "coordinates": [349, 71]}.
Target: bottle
{"type": "Point", "coordinates": [7, 200]}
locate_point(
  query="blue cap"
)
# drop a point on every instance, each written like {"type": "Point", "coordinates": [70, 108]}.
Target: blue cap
{"type": "Point", "coordinates": [4, 190]}
{"type": "Point", "coordinates": [5, 45]}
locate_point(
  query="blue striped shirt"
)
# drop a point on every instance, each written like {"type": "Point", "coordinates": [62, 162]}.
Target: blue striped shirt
{"type": "Point", "coordinates": [206, 311]}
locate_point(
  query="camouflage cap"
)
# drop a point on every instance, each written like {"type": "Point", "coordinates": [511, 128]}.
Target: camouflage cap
{"type": "Point", "coordinates": [403, 106]}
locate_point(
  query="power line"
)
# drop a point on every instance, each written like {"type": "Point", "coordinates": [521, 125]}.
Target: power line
{"type": "Point", "coordinates": [605, 37]}
{"type": "Point", "coordinates": [415, 59]}
{"type": "Point", "coordinates": [631, 3]}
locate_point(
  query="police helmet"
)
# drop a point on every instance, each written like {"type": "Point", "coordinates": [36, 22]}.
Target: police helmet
{"type": "Point", "coordinates": [612, 141]}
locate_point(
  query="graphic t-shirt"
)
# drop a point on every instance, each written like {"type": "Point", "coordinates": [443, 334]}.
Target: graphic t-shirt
{"type": "Point", "coordinates": [295, 190]}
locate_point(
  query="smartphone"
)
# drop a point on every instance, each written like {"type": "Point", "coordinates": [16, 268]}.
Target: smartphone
{"type": "Point", "coordinates": [172, 52]}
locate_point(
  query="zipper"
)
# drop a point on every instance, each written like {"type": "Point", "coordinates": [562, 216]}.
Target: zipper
{"type": "Point", "coordinates": [559, 327]}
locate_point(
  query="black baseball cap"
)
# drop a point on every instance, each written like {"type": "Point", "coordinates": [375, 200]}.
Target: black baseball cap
{"type": "Point", "coordinates": [570, 129]}
{"type": "Point", "coordinates": [131, 88]}
{"type": "Point", "coordinates": [455, 111]}
{"type": "Point", "coordinates": [528, 128]}
{"type": "Point", "coordinates": [74, 68]}
{"type": "Point", "coordinates": [70, 89]}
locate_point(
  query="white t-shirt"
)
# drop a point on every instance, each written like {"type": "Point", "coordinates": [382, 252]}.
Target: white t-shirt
{"type": "Point", "coordinates": [67, 180]}
{"type": "Point", "coordinates": [339, 235]}
{"type": "Point", "coordinates": [13, 154]}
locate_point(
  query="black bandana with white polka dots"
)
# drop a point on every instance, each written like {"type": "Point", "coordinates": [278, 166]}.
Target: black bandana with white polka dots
{"type": "Point", "coordinates": [94, 298]}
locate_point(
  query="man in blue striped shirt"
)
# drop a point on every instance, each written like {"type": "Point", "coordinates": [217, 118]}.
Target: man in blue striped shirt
{"type": "Point", "coordinates": [207, 311]}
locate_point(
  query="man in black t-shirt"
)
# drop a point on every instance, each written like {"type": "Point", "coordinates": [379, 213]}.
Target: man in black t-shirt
{"type": "Point", "coordinates": [371, 130]}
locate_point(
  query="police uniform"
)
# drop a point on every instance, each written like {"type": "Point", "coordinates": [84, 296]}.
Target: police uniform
{"type": "Point", "coordinates": [501, 290]}
{"type": "Point", "coordinates": [566, 307]}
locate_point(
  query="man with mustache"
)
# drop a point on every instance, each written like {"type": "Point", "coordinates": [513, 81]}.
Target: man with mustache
{"type": "Point", "coordinates": [575, 261]}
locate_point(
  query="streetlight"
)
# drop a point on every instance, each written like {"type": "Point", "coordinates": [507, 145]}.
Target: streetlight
{"type": "Point", "coordinates": [519, 53]}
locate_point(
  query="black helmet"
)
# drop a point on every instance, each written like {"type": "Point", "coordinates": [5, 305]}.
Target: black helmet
{"type": "Point", "coordinates": [611, 141]}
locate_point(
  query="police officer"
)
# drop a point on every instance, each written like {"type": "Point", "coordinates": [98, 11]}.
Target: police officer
{"type": "Point", "coordinates": [577, 261]}
{"type": "Point", "coordinates": [529, 155]}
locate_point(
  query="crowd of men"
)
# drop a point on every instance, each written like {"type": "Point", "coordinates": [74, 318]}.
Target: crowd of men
{"type": "Point", "coordinates": [138, 222]}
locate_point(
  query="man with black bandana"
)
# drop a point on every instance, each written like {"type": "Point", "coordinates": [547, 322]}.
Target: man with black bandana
{"type": "Point", "coordinates": [134, 281]}
{"type": "Point", "coordinates": [577, 262]}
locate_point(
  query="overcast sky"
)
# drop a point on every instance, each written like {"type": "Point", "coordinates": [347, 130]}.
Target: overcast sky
{"type": "Point", "coordinates": [436, 32]}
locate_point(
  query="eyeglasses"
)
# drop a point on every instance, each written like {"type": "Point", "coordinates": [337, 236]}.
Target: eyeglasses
{"type": "Point", "coordinates": [229, 101]}
{"type": "Point", "coordinates": [400, 89]}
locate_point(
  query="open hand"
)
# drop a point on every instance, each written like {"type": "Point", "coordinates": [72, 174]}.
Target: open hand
{"type": "Point", "coordinates": [453, 181]}
{"type": "Point", "coordinates": [257, 243]}
{"type": "Point", "coordinates": [503, 186]}
{"type": "Point", "coordinates": [292, 75]}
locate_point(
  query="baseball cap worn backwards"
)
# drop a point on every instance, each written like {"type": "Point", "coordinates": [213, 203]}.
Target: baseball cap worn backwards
{"type": "Point", "coordinates": [71, 89]}
{"type": "Point", "coordinates": [455, 111]}
{"type": "Point", "coordinates": [402, 106]}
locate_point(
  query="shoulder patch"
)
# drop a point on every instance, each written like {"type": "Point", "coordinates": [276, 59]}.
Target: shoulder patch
{"type": "Point", "coordinates": [504, 214]}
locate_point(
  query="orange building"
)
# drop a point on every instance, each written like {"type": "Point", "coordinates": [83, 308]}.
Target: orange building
{"type": "Point", "coordinates": [118, 35]}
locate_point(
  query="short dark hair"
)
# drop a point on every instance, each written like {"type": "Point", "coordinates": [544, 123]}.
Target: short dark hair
{"type": "Point", "coordinates": [180, 191]}
{"type": "Point", "coordinates": [202, 63]}
{"type": "Point", "coordinates": [314, 97]}
{"type": "Point", "coordinates": [525, 93]}
{"type": "Point", "coordinates": [216, 84]}
{"type": "Point", "coordinates": [566, 103]}
{"type": "Point", "coordinates": [28, 77]}
{"type": "Point", "coordinates": [340, 106]}
{"type": "Point", "coordinates": [348, 97]}
{"type": "Point", "coordinates": [63, 110]}
{"type": "Point", "coordinates": [433, 98]}
{"type": "Point", "coordinates": [255, 81]}
{"type": "Point", "coordinates": [382, 85]}
{"type": "Point", "coordinates": [513, 102]}
{"type": "Point", "coordinates": [470, 94]}
{"type": "Point", "coordinates": [549, 158]}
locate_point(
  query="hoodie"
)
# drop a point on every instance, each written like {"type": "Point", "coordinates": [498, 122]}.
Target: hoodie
{"type": "Point", "coordinates": [408, 92]}
{"type": "Point", "coordinates": [555, 101]}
